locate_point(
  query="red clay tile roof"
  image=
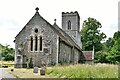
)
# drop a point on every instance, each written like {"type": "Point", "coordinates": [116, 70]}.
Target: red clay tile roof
{"type": "Point", "coordinates": [86, 55]}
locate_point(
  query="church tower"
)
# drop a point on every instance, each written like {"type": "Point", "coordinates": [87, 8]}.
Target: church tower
{"type": "Point", "coordinates": [71, 25]}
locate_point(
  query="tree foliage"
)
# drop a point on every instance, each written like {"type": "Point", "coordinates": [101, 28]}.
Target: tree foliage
{"type": "Point", "coordinates": [111, 50]}
{"type": "Point", "coordinates": [114, 49]}
{"type": "Point", "coordinates": [6, 52]}
{"type": "Point", "coordinates": [107, 52]}
{"type": "Point", "coordinates": [102, 57]}
{"type": "Point", "coordinates": [91, 35]}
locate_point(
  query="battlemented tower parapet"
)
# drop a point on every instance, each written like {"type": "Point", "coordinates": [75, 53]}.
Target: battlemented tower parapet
{"type": "Point", "coordinates": [71, 17]}
{"type": "Point", "coordinates": [70, 13]}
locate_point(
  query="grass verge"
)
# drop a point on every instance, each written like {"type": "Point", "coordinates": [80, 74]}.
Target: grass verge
{"type": "Point", "coordinates": [7, 63]}
{"type": "Point", "coordinates": [70, 71]}
{"type": "Point", "coordinates": [84, 71]}
{"type": "Point", "coordinates": [24, 73]}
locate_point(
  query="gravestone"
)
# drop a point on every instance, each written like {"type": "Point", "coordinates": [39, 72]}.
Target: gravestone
{"type": "Point", "coordinates": [42, 71]}
{"type": "Point", "coordinates": [35, 70]}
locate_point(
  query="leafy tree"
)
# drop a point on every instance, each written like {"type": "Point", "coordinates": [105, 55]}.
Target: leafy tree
{"type": "Point", "coordinates": [116, 35]}
{"type": "Point", "coordinates": [6, 52]}
{"type": "Point", "coordinates": [114, 55]}
{"type": "Point", "coordinates": [101, 57]}
{"type": "Point", "coordinates": [91, 35]}
{"type": "Point", "coordinates": [113, 48]}
{"type": "Point", "coordinates": [109, 44]}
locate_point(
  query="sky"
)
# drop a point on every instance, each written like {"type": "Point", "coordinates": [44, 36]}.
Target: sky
{"type": "Point", "coordinates": [14, 14]}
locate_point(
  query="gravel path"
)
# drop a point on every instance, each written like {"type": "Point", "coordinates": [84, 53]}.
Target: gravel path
{"type": "Point", "coordinates": [4, 74]}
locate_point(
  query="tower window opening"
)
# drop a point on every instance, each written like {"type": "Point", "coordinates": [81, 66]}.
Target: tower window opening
{"type": "Point", "coordinates": [69, 24]}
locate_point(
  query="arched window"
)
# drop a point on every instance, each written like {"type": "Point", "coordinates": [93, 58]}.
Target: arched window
{"type": "Point", "coordinates": [36, 43]}
{"type": "Point", "coordinates": [40, 43]}
{"type": "Point", "coordinates": [69, 24]}
{"type": "Point", "coordinates": [31, 44]}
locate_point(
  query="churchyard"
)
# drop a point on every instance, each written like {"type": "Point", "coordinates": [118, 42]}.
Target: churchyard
{"type": "Point", "coordinates": [69, 71]}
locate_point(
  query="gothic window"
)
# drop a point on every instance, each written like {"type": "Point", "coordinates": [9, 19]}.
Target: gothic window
{"type": "Point", "coordinates": [40, 43]}
{"type": "Point", "coordinates": [69, 24]}
{"type": "Point", "coordinates": [31, 44]}
{"type": "Point", "coordinates": [36, 43]}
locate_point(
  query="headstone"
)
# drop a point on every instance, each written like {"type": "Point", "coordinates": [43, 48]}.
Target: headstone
{"type": "Point", "coordinates": [42, 72]}
{"type": "Point", "coordinates": [35, 70]}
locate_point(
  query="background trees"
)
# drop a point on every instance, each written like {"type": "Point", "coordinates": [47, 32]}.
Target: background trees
{"type": "Point", "coordinates": [106, 52]}
{"type": "Point", "coordinates": [91, 35]}
{"type": "Point", "coordinates": [6, 52]}
{"type": "Point", "coordinates": [114, 48]}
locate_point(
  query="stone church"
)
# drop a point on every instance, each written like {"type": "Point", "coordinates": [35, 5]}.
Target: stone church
{"type": "Point", "coordinates": [41, 42]}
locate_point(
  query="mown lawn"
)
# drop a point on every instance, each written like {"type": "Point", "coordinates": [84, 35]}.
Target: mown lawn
{"type": "Point", "coordinates": [70, 71]}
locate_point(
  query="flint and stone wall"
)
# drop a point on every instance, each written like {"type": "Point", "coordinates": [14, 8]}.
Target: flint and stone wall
{"type": "Point", "coordinates": [22, 46]}
{"type": "Point", "coordinates": [53, 50]}
{"type": "Point", "coordinates": [68, 54]}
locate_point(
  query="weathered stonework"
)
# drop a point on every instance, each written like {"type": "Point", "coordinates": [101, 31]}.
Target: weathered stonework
{"type": "Point", "coordinates": [39, 42]}
{"type": "Point", "coordinates": [74, 32]}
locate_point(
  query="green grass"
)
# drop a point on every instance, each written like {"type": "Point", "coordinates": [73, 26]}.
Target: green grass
{"type": "Point", "coordinates": [70, 71]}
{"type": "Point", "coordinates": [84, 71]}
{"type": "Point", "coordinates": [23, 73]}
{"type": "Point", "coordinates": [7, 63]}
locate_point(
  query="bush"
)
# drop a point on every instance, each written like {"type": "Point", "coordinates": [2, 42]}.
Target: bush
{"type": "Point", "coordinates": [31, 63]}
{"type": "Point", "coordinates": [7, 53]}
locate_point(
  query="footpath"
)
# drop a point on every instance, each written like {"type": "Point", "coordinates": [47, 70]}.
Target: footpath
{"type": "Point", "coordinates": [4, 74]}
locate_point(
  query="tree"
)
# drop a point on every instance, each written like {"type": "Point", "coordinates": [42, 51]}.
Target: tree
{"type": "Point", "coordinates": [6, 52]}
{"type": "Point", "coordinates": [91, 36]}
{"type": "Point", "coordinates": [109, 44]}
{"type": "Point", "coordinates": [116, 35]}
{"type": "Point", "coordinates": [114, 55]}
{"type": "Point", "coordinates": [113, 48]}
{"type": "Point", "coordinates": [101, 57]}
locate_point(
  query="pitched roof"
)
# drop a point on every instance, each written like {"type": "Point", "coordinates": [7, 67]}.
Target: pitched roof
{"type": "Point", "coordinates": [36, 15]}
{"type": "Point", "coordinates": [63, 35]}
